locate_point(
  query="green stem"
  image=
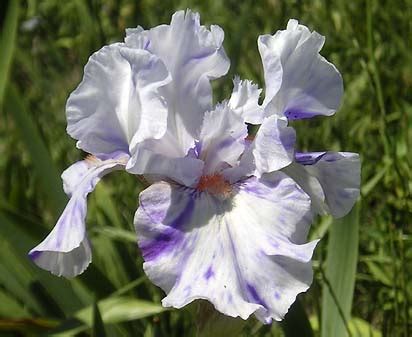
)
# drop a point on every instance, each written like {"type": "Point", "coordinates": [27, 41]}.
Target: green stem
{"type": "Point", "coordinates": [211, 323]}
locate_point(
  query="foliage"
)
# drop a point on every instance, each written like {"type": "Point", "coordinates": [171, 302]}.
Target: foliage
{"type": "Point", "coordinates": [43, 48]}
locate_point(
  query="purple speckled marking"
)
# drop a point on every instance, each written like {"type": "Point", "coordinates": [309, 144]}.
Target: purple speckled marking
{"type": "Point", "coordinates": [309, 158]}
{"type": "Point", "coordinates": [295, 113]}
{"type": "Point", "coordinates": [170, 238]}
{"type": "Point", "coordinates": [34, 255]}
{"type": "Point", "coordinates": [209, 273]}
{"type": "Point", "coordinates": [254, 295]}
{"type": "Point", "coordinates": [277, 295]}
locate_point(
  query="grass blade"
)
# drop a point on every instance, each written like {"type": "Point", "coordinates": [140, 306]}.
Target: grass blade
{"type": "Point", "coordinates": [114, 310]}
{"type": "Point", "coordinates": [339, 275]}
{"type": "Point", "coordinates": [44, 168]}
{"type": "Point", "coordinates": [7, 44]}
{"type": "Point", "coordinates": [98, 326]}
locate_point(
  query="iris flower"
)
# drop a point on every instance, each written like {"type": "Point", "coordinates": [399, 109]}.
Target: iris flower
{"type": "Point", "coordinates": [226, 217]}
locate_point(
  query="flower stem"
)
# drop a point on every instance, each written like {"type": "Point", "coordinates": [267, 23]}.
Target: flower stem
{"type": "Point", "coordinates": [211, 323]}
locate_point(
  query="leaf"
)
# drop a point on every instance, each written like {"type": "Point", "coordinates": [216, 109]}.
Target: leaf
{"type": "Point", "coordinates": [7, 44]}
{"type": "Point", "coordinates": [361, 328]}
{"type": "Point", "coordinates": [43, 165]}
{"type": "Point", "coordinates": [357, 326]}
{"type": "Point", "coordinates": [113, 310]}
{"type": "Point", "coordinates": [378, 273]}
{"type": "Point", "coordinates": [211, 323]}
{"type": "Point", "coordinates": [340, 274]}
{"type": "Point", "coordinates": [98, 326]}
{"type": "Point", "coordinates": [296, 322]}
{"type": "Point", "coordinates": [116, 234]}
{"type": "Point", "coordinates": [120, 309]}
{"type": "Point", "coordinates": [10, 307]}
{"type": "Point", "coordinates": [39, 290]}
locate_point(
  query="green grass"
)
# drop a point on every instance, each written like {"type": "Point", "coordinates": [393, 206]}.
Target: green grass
{"type": "Point", "coordinates": [44, 46]}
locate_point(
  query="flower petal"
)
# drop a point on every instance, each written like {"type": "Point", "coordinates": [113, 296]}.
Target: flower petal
{"type": "Point", "coordinates": [245, 101]}
{"type": "Point", "coordinates": [238, 253]}
{"type": "Point", "coordinates": [332, 179]}
{"type": "Point", "coordinates": [118, 100]}
{"type": "Point", "coordinates": [299, 82]}
{"type": "Point", "coordinates": [194, 55]}
{"type": "Point", "coordinates": [66, 250]}
{"type": "Point", "coordinates": [222, 138]}
{"type": "Point", "coordinates": [271, 150]}
{"type": "Point", "coordinates": [184, 170]}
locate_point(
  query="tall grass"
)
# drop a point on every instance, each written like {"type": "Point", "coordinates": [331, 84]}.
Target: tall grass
{"type": "Point", "coordinates": [367, 256]}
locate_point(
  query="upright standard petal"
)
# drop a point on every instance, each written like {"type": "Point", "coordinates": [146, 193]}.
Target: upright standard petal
{"type": "Point", "coordinates": [238, 253]}
{"type": "Point", "coordinates": [245, 101]}
{"type": "Point", "coordinates": [332, 179]}
{"type": "Point", "coordinates": [271, 150]}
{"type": "Point", "coordinates": [299, 82]}
{"type": "Point", "coordinates": [118, 100]}
{"type": "Point", "coordinates": [66, 250]}
{"type": "Point", "coordinates": [222, 139]}
{"type": "Point", "coordinates": [194, 55]}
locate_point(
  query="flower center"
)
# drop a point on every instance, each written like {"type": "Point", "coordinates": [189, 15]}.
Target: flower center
{"type": "Point", "coordinates": [215, 184]}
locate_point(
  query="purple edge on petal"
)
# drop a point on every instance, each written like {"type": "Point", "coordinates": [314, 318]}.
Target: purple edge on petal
{"type": "Point", "coordinates": [298, 114]}
{"type": "Point", "coordinates": [34, 254]}
{"type": "Point", "coordinates": [308, 158]}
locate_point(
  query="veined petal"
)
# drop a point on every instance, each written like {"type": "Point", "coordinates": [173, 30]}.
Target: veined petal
{"type": "Point", "coordinates": [245, 101]}
{"type": "Point", "coordinates": [310, 185]}
{"type": "Point", "coordinates": [271, 150]}
{"type": "Point", "coordinates": [118, 100]}
{"type": "Point", "coordinates": [194, 55]}
{"type": "Point", "coordinates": [66, 250]}
{"type": "Point", "coordinates": [222, 138]}
{"type": "Point", "coordinates": [332, 179]}
{"type": "Point", "coordinates": [299, 82]}
{"type": "Point", "coordinates": [185, 170]}
{"type": "Point", "coordinates": [238, 253]}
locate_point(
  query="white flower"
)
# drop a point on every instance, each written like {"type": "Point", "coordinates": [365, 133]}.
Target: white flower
{"type": "Point", "coordinates": [221, 221]}
{"type": "Point", "coordinates": [300, 83]}
{"type": "Point", "coordinates": [132, 93]}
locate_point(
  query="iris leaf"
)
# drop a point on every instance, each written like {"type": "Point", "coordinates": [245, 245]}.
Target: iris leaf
{"type": "Point", "coordinates": [7, 44]}
{"type": "Point", "coordinates": [98, 326]}
{"type": "Point", "coordinates": [340, 275]}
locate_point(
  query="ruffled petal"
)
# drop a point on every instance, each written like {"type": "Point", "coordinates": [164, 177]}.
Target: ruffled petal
{"type": "Point", "coordinates": [310, 185]}
{"type": "Point", "coordinates": [271, 150]}
{"type": "Point", "coordinates": [66, 250]}
{"type": "Point", "coordinates": [299, 82]}
{"type": "Point", "coordinates": [118, 100]}
{"type": "Point", "coordinates": [159, 165]}
{"type": "Point", "coordinates": [245, 101]}
{"type": "Point", "coordinates": [238, 253]}
{"type": "Point", "coordinates": [194, 55]}
{"type": "Point", "coordinates": [222, 139]}
{"type": "Point", "coordinates": [332, 179]}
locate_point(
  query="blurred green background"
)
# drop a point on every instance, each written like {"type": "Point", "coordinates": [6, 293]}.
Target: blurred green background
{"type": "Point", "coordinates": [363, 276]}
